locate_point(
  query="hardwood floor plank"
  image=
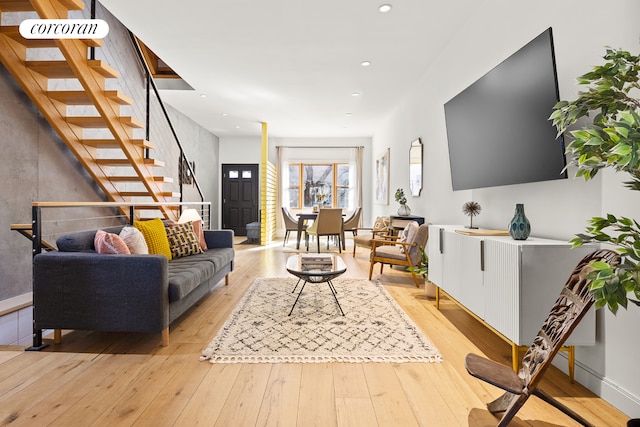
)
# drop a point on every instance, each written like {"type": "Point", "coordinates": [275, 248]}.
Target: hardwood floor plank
{"type": "Point", "coordinates": [316, 405]}
{"type": "Point", "coordinates": [281, 396]}
{"type": "Point", "coordinates": [146, 386]}
{"type": "Point", "coordinates": [424, 398]}
{"type": "Point", "coordinates": [355, 412]}
{"type": "Point", "coordinates": [166, 406]}
{"type": "Point", "coordinates": [244, 400]}
{"type": "Point", "coordinates": [350, 381]}
{"type": "Point", "coordinates": [209, 398]}
{"type": "Point", "coordinates": [63, 370]}
{"type": "Point", "coordinates": [389, 399]}
{"type": "Point", "coordinates": [107, 392]}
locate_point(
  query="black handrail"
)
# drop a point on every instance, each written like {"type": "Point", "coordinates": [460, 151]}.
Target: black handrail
{"type": "Point", "coordinates": [152, 84]}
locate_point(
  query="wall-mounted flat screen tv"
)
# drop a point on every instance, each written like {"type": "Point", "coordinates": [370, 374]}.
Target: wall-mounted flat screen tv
{"type": "Point", "coordinates": [498, 129]}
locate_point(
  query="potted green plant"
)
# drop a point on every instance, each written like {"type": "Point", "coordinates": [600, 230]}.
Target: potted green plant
{"type": "Point", "coordinates": [423, 270]}
{"type": "Point", "coordinates": [404, 209]}
{"type": "Point", "coordinates": [608, 136]}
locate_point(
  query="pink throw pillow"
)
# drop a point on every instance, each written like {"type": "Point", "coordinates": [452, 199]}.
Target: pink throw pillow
{"type": "Point", "coordinates": [198, 229]}
{"type": "Point", "coordinates": [109, 243]}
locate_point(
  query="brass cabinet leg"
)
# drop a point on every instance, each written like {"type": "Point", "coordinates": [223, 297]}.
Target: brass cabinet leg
{"type": "Point", "coordinates": [515, 356]}
{"type": "Point", "coordinates": [437, 297]}
{"type": "Point", "coordinates": [57, 336]}
{"type": "Point", "coordinates": [572, 362]}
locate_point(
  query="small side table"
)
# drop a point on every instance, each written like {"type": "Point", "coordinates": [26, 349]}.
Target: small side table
{"type": "Point", "coordinates": [317, 268]}
{"type": "Point", "coordinates": [397, 222]}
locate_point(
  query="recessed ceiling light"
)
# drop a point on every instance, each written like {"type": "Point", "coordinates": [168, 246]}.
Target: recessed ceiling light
{"type": "Point", "coordinates": [203, 95]}
{"type": "Point", "coordinates": [355, 94]}
{"type": "Point", "coordinates": [349, 114]}
{"type": "Point", "coordinates": [384, 8]}
{"type": "Point", "coordinates": [365, 63]}
{"type": "Point", "coordinates": [225, 114]}
{"type": "Point", "coordinates": [237, 126]}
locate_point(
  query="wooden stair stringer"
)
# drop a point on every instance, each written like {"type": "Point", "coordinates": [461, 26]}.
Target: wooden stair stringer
{"type": "Point", "coordinates": [91, 75]}
{"type": "Point", "coordinates": [75, 53]}
{"type": "Point", "coordinates": [35, 85]}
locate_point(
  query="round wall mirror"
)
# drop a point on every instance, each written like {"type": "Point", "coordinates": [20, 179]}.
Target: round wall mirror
{"type": "Point", "coordinates": [415, 167]}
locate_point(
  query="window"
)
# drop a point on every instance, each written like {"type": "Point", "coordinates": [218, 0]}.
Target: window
{"type": "Point", "coordinates": [322, 184]}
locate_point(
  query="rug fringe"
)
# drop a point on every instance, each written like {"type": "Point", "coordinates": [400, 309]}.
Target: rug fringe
{"type": "Point", "coordinates": [323, 359]}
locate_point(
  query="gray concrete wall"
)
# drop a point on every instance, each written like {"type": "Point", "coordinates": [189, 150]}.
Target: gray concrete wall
{"type": "Point", "coordinates": [35, 164]}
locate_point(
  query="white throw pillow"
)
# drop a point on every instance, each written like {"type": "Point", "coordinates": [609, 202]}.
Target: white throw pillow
{"type": "Point", "coordinates": [134, 240]}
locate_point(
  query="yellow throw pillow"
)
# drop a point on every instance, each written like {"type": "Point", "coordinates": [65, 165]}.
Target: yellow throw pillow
{"type": "Point", "coordinates": [155, 236]}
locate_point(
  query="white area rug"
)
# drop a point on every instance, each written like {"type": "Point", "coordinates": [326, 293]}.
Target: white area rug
{"type": "Point", "coordinates": [373, 329]}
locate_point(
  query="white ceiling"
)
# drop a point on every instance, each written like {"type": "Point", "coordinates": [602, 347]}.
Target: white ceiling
{"type": "Point", "coordinates": [292, 63]}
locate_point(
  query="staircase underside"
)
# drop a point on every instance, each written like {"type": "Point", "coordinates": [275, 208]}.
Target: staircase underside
{"type": "Point", "coordinates": [120, 164]}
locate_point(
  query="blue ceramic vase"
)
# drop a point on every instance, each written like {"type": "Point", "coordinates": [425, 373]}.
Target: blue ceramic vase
{"type": "Point", "coordinates": [519, 227]}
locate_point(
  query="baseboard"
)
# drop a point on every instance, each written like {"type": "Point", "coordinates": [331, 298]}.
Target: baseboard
{"type": "Point", "coordinates": [617, 396]}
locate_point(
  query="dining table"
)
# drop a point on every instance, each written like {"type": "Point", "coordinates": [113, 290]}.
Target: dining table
{"type": "Point", "coordinates": [302, 217]}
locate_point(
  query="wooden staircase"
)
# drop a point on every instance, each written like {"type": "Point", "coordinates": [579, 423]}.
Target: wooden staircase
{"type": "Point", "coordinates": [116, 163]}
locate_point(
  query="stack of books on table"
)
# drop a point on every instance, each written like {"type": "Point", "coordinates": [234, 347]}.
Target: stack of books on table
{"type": "Point", "coordinates": [316, 262]}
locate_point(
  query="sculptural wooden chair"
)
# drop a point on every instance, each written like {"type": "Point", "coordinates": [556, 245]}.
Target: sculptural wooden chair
{"type": "Point", "coordinates": [393, 250]}
{"type": "Point", "coordinates": [570, 307]}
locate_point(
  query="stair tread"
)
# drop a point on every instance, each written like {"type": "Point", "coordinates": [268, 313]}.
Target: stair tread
{"type": "Point", "coordinates": [25, 5]}
{"type": "Point", "coordinates": [13, 31]}
{"type": "Point", "coordinates": [136, 178]}
{"type": "Point", "coordinates": [80, 97]}
{"type": "Point", "coordinates": [62, 70]}
{"type": "Point", "coordinates": [126, 162]}
{"type": "Point", "coordinates": [112, 143]}
{"type": "Point", "coordinates": [146, 193]}
{"type": "Point", "coordinates": [97, 122]}
{"type": "Point", "coordinates": [16, 6]}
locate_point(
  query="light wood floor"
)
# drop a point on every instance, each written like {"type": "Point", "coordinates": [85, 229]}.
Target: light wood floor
{"type": "Point", "coordinates": [109, 379]}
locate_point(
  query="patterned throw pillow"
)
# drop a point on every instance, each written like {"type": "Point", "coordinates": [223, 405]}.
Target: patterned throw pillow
{"type": "Point", "coordinates": [155, 236]}
{"type": "Point", "coordinates": [109, 243]}
{"type": "Point", "coordinates": [134, 240]}
{"type": "Point", "coordinates": [183, 240]}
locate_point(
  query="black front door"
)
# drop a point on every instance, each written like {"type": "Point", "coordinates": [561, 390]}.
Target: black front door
{"type": "Point", "coordinates": [240, 200]}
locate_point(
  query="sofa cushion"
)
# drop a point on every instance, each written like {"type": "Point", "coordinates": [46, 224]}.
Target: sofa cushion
{"type": "Point", "coordinates": [186, 274]}
{"type": "Point", "coordinates": [109, 243]}
{"type": "Point", "coordinates": [219, 257]}
{"type": "Point", "coordinates": [183, 240]}
{"type": "Point", "coordinates": [81, 241]}
{"type": "Point", "coordinates": [155, 236]}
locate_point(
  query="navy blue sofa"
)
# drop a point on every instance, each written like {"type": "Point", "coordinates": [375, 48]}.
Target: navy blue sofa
{"type": "Point", "coordinates": [77, 288]}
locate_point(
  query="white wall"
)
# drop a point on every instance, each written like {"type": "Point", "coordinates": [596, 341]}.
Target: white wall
{"type": "Point", "coordinates": [556, 209]}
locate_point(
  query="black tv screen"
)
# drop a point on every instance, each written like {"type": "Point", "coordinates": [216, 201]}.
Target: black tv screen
{"type": "Point", "coordinates": [498, 129]}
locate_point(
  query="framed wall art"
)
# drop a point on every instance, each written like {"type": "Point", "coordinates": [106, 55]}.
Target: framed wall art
{"type": "Point", "coordinates": [382, 178]}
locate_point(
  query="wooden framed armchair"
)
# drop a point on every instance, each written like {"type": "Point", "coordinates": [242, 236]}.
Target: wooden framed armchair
{"type": "Point", "coordinates": [362, 236]}
{"type": "Point", "coordinates": [394, 250]}
{"type": "Point", "coordinates": [570, 307]}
